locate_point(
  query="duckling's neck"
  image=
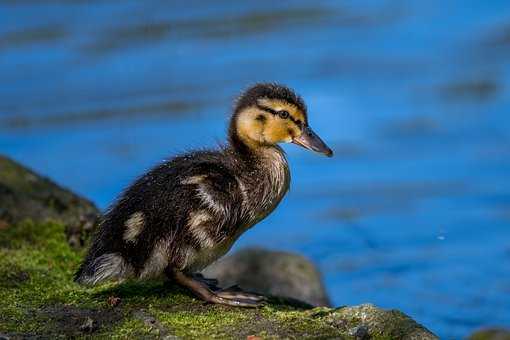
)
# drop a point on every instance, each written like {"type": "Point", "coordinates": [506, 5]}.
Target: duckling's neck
{"type": "Point", "coordinates": [263, 168]}
{"type": "Point", "coordinates": [237, 145]}
{"type": "Point", "coordinates": [251, 150]}
{"type": "Point", "coordinates": [264, 176]}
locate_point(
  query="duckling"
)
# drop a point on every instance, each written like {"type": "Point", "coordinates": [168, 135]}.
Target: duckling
{"type": "Point", "coordinates": [187, 212]}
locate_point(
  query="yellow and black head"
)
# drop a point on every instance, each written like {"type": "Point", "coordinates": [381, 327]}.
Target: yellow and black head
{"type": "Point", "coordinates": [267, 114]}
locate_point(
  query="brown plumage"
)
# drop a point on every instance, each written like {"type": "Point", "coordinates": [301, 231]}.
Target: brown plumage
{"type": "Point", "coordinates": [187, 212]}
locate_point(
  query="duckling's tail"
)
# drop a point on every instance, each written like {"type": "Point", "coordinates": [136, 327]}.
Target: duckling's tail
{"type": "Point", "coordinates": [105, 267]}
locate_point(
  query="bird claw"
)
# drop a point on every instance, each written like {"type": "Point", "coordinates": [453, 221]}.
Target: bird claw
{"type": "Point", "coordinates": [207, 290]}
{"type": "Point", "coordinates": [240, 295]}
{"type": "Point", "coordinates": [241, 300]}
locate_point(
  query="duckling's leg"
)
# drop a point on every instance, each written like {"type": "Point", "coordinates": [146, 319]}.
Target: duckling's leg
{"type": "Point", "coordinates": [201, 290]}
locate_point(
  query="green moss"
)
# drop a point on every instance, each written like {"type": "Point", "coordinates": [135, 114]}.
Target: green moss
{"type": "Point", "coordinates": [131, 328]}
{"type": "Point", "coordinates": [36, 267]}
{"type": "Point", "coordinates": [38, 297]}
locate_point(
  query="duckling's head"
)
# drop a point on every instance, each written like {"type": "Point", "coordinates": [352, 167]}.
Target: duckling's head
{"type": "Point", "coordinates": [268, 114]}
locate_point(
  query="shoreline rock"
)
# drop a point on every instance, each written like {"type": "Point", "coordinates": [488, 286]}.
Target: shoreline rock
{"type": "Point", "coordinates": [26, 195]}
{"type": "Point", "coordinates": [40, 300]}
{"type": "Point", "coordinates": [271, 272]}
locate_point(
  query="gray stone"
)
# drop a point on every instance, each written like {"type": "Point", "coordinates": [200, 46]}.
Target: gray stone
{"type": "Point", "coordinates": [170, 310]}
{"type": "Point", "coordinates": [26, 195]}
{"type": "Point", "coordinates": [368, 321]}
{"type": "Point", "coordinates": [271, 272]}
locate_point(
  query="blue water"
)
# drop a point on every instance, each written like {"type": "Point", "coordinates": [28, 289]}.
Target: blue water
{"type": "Point", "coordinates": [413, 212]}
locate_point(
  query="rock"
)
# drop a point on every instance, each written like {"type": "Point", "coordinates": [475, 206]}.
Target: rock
{"type": "Point", "coordinates": [372, 322]}
{"type": "Point", "coordinates": [359, 332]}
{"type": "Point", "coordinates": [273, 273]}
{"type": "Point", "coordinates": [53, 305]}
{"type": "Point", "coordinates": [27, 195]}
{"type": "Point", "coordinates": [40, 299]}
{"type": "Point", "coordinates": [65, 320]}
{"type": "Point", "coordinates": [491, 334]}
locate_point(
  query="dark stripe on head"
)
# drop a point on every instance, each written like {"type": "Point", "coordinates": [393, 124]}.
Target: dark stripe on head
{"type": "Point", "coordinates": [274, 112]}
{"type": "Point", "coordinates": [270, 91]}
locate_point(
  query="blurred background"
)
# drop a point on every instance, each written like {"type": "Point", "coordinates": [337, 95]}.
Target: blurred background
{"type": "Point", "coordinates": [412, 213]}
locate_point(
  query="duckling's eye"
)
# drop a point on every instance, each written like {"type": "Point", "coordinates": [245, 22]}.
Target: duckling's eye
{"type": "Point", "coordinates": [283, 114]}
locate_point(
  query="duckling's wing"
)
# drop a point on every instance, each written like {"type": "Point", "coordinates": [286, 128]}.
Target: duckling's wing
{"type": "Point", "coordinates": [169, 213]}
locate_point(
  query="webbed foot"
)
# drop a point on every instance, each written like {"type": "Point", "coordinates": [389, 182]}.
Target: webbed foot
{"type": "Point", "coordinates": [207, 290]}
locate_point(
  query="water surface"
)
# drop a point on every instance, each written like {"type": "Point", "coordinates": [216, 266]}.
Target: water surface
{"type": "Point", "coordinates": [413, 212]}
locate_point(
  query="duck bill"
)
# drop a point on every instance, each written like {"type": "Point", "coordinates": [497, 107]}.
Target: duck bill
{"type": "Point", "coordinates": [309, 140]}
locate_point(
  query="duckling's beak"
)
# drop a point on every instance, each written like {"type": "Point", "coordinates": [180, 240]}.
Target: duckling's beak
{"type": "Point", "coordinates": [311, 141]}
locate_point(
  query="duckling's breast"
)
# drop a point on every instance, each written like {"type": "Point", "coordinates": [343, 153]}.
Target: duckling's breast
{"type": "Point", "coordinates": [265, 188]}
{"type": "Point", "coordinates": [260, 187]}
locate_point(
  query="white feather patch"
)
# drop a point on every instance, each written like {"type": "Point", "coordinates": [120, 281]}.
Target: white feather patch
{"type": "Point", "coordinates": [204, 194]}
{"type": "Point", "coordinates": [109, 266]}
{"type": "Point", "coordinates": [209, 201]}
{"type": "Point", "coordinates": [194, 179]}
{"type": "Point", "coordinates": [197, 228]}
{"type": "Point", "coordinates": [242, 188]}
{"type": "Point", "coordinates": [134, 226]}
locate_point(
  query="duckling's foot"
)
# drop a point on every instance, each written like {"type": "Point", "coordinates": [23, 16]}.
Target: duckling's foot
{"type": "Point", "coordinates": [224, 297]}
{"type": "Point", "coordinates": [230, 294]}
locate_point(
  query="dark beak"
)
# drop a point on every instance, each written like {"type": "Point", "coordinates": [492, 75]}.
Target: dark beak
{"type": "Point", "coordinates": [311, 141]}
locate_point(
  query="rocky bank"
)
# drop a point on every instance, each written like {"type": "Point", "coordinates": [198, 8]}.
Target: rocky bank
{"type": "Point", "coordinates": [42, 230]}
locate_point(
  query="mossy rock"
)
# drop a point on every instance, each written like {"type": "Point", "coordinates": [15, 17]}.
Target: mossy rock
{"type": "Point", "coordinates": [39, 221]}
{"type": "Point", "coordinates": [271, 272]}
{"type": "Point", "coordinates": [25, 195]}
{"type": "Point", "coordinates": [39, 299]}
